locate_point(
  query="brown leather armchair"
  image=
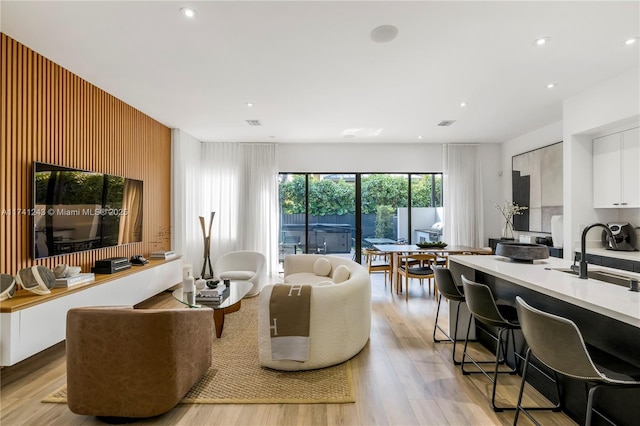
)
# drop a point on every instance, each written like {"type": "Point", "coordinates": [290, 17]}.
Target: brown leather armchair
{"type": "Point", "coordinates": [125, 362]}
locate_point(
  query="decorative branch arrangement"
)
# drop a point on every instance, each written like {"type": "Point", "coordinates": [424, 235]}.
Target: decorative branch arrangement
{"type": "Point", "coordinates": [509, 209]}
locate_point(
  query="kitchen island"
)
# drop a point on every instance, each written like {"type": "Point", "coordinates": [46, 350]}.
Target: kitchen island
{"type": "Point", "coordinates": [608, 316]}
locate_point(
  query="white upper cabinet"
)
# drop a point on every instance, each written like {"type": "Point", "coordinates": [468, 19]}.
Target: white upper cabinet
{"type": "Point", "coordinates": [616, 170]}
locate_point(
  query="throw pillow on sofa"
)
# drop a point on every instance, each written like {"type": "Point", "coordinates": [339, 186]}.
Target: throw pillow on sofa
{"type": "Point", "coordinates": [341, 274]}
{"type": "Point", "coordinates": [322, 267]}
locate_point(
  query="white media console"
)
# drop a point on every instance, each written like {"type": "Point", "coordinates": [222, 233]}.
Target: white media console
{"type": "Point", "coordinates": [28, 328]}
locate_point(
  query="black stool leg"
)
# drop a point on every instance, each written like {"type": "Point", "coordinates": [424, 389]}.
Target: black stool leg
{"type": "Point", "coordinates": [455, 336]}
{"type": "Point", "coordinates": [453, 339]}
{"type": "Point", "coordinates": [473, 361]}
{"type": "Point", "coordinates": [525, 410]}
{"type": "Point", "coordinates": [590, 398]}
{"type": "Point", "coordinates": [436, 327]}
{"type": "Point", "coordinates": [501, 347]}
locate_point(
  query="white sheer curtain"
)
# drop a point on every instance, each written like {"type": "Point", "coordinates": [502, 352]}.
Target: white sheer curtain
{"type": "Point", "coordinates": [239, 183]}
{"type": "Point", "coordinates": [220, 165]}
{"type": "Point", "coordinates": [186, 199]}
{"type": "Point", "coordinates": [259, 202]}
{"type": "Point", "coordinates": [463, 200]}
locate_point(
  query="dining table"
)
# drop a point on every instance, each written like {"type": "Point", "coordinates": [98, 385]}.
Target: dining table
{"type": "Point", "coordinates": [396, 250]}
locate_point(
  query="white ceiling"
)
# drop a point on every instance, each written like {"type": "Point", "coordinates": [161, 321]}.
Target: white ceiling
{"type": "Point", "coordinates": [312, 70]}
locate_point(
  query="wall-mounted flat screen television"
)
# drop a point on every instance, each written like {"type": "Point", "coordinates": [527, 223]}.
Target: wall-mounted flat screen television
{"type": "Point", "coordinates": [76, 210]}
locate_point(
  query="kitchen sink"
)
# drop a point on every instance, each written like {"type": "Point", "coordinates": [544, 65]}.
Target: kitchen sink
{"type": "Point", "coordinates": [608, 277]}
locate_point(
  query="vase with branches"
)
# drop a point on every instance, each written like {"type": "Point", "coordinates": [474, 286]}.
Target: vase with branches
{"type": "Point", "coordinates": [509, 209]}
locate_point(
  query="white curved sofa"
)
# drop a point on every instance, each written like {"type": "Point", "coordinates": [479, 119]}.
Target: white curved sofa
{"type": "Point", "coordinates": [340, 321]}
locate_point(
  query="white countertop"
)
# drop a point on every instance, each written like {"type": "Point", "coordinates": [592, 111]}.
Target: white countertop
{"type": "Point", "coordinates": [607, 299]}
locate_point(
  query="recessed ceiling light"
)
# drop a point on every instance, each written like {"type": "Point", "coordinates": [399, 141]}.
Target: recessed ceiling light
{"type": "Point", "coordinates": [419, 137]}
{"type": "Point", "coordinates": [384, 33]}
{"type": "Point", "coordinates": [541, 41]}
{"type": "Point", "coordinates": [188, 12]}
{"type": "Point", "coordinates": [551, 85]}
{"type": "Point", "coordinates": [249, 104]}
{"type": "Point", "coordinates": [463, 104]}
{"type": "Point", "coordinates": [632, 41]}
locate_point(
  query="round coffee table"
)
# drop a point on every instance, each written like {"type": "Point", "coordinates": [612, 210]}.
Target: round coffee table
{"type": "Point", "coordinates": [232, 303]}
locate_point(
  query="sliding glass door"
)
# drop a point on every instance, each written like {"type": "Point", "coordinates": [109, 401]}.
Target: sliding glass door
{"type": "Point", "coordinates": [426, 207]}
{"type": "Point", "coordinates": [331, 222]}
{"type": "Point", "coordinates": [317, 214]}
{"type": "Point", "coordinates": [340, 214]}
{"type": "Point", "coordinates": [384, 196]}
{"type": "Point", "coordinates": [292, 190]}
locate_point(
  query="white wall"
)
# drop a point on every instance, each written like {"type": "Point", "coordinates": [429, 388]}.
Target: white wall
{"type": "Point", "coordinates": [493, 175]}
{"type": "Point", "coordinates": [611, 105]}
{"type": "Point", "coordinates": [360, 157]}
{"type": "Point", "coordinates": [401, 158]}
{"type": "Point", "coordinates": [538, 138]}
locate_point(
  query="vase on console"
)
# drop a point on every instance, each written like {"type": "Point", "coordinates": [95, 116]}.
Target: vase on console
{"type": "Point", "coordinates": [507, 231]}
{"type": "Point", "coordinates": [509, 209]}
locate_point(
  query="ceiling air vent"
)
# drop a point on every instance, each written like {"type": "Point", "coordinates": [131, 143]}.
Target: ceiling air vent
{"type": "Point", "coordinates": [445, 123]}
{"type": "Point", "coordinates": [254, 122]}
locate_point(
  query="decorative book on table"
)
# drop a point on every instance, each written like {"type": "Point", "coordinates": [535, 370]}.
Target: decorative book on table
{"type": "Point", "coordinates": [215, 295]}
{"type": "Point", "coordinates": [81, 278]}
{"type": "Point", "coordinates": [163, 254]}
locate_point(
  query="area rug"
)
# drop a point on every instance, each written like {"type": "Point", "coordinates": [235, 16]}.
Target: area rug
{"type": "Point", "coordinates": [236, 377]}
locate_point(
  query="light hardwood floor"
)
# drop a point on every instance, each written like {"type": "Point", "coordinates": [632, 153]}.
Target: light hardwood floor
{"type": "Point", "coordinates": [401, 378]}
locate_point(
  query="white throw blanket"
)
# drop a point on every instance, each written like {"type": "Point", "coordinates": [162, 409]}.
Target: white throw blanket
{"type": "Point", "coordinates": [289, 313]}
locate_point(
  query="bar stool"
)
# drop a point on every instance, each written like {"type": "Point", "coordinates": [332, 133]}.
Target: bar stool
{"type": "Point", "coordinates": [484, 309]}
{"type": "Point", "coordinates": [545, 333]}
{"type": "Point", "coordinates": [450, 291]}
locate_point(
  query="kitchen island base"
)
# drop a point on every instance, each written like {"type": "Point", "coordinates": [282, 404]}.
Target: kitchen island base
{"type": "Point", "coordinates": [617, 339]}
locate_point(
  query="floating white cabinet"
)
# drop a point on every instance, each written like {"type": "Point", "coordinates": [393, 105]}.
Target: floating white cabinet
{"type": "Point", "coordinates": [28, 331]}
{"type": "Point", "coordinates": [616, 170]}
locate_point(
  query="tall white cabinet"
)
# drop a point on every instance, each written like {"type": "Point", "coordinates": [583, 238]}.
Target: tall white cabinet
{"type": "Point", "coordinates": [616, 170]}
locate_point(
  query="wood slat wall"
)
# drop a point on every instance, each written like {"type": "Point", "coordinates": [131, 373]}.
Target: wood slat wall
{"type": "Point", "coordinates": [50, 115]}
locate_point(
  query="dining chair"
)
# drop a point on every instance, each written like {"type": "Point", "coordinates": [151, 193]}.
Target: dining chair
{"type": "Point", "coordinates": [416, 265]}
{"type": "Point", "coordinates": [377, 261]}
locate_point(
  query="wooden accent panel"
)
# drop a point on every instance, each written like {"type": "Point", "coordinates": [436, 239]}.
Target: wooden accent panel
{"type": "Point", "coordinates": [51, 115]}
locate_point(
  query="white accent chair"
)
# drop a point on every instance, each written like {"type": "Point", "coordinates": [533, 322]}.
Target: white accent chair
{"type": "Point", "coordinates": [242, 265]}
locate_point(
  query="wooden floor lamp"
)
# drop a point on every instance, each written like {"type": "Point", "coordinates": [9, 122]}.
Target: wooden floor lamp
{"type": "Point", "coordinates": [207, 248]}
